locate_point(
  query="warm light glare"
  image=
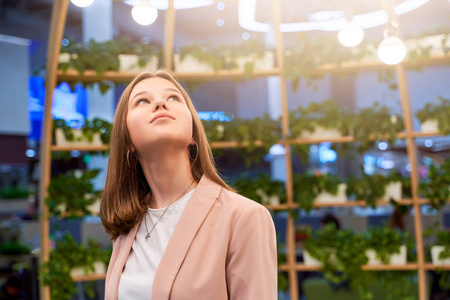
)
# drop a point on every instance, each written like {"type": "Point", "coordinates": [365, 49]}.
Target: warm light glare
{"type": "Point", "coordinates": [143, 13]}
{"type": "Point", "coordinates": [392, 50]}
{"type": "Point", "coordinates": [82, 3]}
{"type": "Point", "coordinates": [350, 35]}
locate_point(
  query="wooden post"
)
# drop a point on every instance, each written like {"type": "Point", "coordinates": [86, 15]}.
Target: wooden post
{"type": "Point", "coordinates": [412, 152]}
{"type": "Point", "coordinates": [290, 234]}
{"type": "Point", "coordinates": [169, 35]}
{"type": "Point", "coordinates": [58, 20]}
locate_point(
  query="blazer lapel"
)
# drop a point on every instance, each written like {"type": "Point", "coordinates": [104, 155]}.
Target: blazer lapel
{"type": "Point", "coordinates": [124, 251]}
{"type": "Point", "coordinates": [191, 220]}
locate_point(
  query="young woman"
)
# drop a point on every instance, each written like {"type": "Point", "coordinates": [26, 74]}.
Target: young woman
{"type": "Point", "coordinates": [179, 232]}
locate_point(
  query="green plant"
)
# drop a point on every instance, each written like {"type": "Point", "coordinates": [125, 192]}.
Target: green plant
{"type": "Point", "coordinates": [14, 248]}
{"type": "Point", "coordinates": [71, 194]}
{"type": "Point", "coordinates": [375, 123]}
{"type": "Point", "coordinates": [438, 110]}
{"type": "Point", "coordinates": [369, 188]}
{"type": "Point", "coordinates": [342, 255]}
{"type": "Point", "coordinates": [308, 186]}
{"type": "Point", "coordinates": [89, 128]}
{"type": "Point", "coordinates": [14, 192]}
{"type": "Point", "coordinates": [328, 114]}
{"type": "Point", "coordinates": [385, 241]}
{"type": "Point", "coordinates": [437, 188]}
{"type": "Point", "coordinates": [68, 255]}
{"type": "Point", "coordinates": [260, 188]}
{"type": "Point", "coordinates": [225, 57]}
{"type": "Point", "coordinates": [324, 50]}
{"type": "Point", "coordinates": [262, 129]}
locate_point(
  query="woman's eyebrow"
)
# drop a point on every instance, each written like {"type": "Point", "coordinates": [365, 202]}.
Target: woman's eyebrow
{"type": "Point", "coordinates": [138, 94]}
{"type": "Point", "coordinates": [173, 90]}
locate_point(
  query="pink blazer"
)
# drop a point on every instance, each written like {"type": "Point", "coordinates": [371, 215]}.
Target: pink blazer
{"type": "Point", "coordinates": [224, 247]}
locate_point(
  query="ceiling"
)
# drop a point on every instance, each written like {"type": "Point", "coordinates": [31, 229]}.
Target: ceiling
{"type": "Point", "coordinates": [30, 19]}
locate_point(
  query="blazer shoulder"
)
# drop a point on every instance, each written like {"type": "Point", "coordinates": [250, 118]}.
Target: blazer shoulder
{"type": "Point", "coordinates": [240, 203]}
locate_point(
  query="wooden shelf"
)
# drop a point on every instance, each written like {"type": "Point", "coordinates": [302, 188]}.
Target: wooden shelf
{"type": "Point", "coordinates": [232, 144]}
{"type": "Point", "coordinates": [432, 267]}
{"type": "Point", "coordinates": [55, 148]}
{"type": "Point", "coordinates": [407, 267]}
{"type": "Point", "coordinates": [89, 277]}
{"type": "Point", "coordinates": [344, 204]}
{"type": "Point", "coordinates": [116, 76]}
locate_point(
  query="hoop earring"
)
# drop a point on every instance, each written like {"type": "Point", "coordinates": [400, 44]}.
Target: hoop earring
{"type": "Point", "coordinates": [128, 158]}
{"type": "Point", "coordinates": [196, 155]}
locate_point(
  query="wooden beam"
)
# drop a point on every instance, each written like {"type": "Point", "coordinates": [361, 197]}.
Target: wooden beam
{"type": "Point", "coordinates": [57, 23]}
{"type": "Point", "coordinates": [412, 155]}
{"type": "Point", "coordinates": [169, 30]}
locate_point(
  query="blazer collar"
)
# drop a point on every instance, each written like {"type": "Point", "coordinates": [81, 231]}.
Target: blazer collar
{"type": "Point", "coordinates": [190, 222]}
{"type": "Point", "coordinates": [196, 210]}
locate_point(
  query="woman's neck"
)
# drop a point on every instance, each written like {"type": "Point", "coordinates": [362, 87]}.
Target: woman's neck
{"type": "Point", "coordinates": [168, 175]}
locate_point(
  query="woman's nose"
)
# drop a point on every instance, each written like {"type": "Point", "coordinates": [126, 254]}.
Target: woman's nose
{"type": "Point", "coordinates": [160, 105]}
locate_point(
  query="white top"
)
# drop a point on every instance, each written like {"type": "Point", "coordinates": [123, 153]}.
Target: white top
{"type": "Point", "coordinates": [139, 271]}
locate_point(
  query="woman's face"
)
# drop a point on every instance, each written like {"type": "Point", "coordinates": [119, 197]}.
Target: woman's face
{"type": "Point", "coordinates": [158, 116]}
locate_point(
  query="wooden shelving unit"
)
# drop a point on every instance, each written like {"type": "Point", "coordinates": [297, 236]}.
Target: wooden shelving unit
{"type": "Point", "coordinates": [89, 277]}
{"type": "Point", "coordinates": [58, 20]}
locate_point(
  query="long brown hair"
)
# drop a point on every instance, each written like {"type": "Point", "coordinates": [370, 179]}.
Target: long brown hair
{"type": "Point", "coordinates": [125, 198]}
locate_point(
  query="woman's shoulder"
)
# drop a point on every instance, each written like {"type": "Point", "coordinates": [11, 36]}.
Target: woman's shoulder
{"type": "Point", "coordinates": [236, 202]}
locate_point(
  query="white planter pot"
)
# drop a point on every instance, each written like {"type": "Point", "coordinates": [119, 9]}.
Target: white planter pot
{"type": "Point", "coordinates": [321, 133]}
{"type": "Point", "coordinates": [129, 63]}
{"type": "Point", "coordinates": [395, 259]}
{"type": "Point", "coordinates": [435, 252]}
{"type": "Point", "coordinates": [190, 65]}
{"type": "Point", "coordinates": [95, 208]}
{"type": "Point", "coordinates": [341, 196]}
{"type": "Point", "coordinates": [264, 63]}
{"type": "Point", "coordinates": [64, 57]}
{"type": "Point", "coordinates": [309, 260]}
{"type": "Point", "coordinates": [429, 126]}
{"type": "Point", "coordinates": [79, 139]}
{"type": "Point", "coordinates": [266, 199]}
{"type": "Point", "coordinates": [394, 191]}
{"type": "Point", "coordinates": [99, 267]}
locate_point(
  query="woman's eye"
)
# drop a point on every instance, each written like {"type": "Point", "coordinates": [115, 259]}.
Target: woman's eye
{"type": "Point", "coordinates": [141, 101]}
{"type": "Point", "coordinates": [173, 98]}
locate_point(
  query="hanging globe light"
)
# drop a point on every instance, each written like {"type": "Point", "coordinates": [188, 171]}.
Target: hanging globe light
{"type": "Point", "coordinates": [82, 3]}
{"type": "Point", "coordinates": [144, 13]}
{"type": "Point", "coordinates": [350, 35]}
{"type": "Point", "coordinates": [392, 50]}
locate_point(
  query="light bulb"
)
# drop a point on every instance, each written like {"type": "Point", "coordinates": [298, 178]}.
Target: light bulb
{"type": "Point", "coordinates": [392, 50]}
{"type": "Point", "coordinates": [143, 13]}
{"type": "Point", "coordinates": [82, 3]}
{"type": "Point", "coordinates": [350, 35]}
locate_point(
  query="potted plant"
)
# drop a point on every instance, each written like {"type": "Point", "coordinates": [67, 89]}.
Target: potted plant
{"type": "Point", "coordinates": [94, 132]}
{"type": "Point", "coordinates": [261, 189]}
{"type": "Point", "coordinates": [137, 57]}
{"type": "Point", "coordinates": [323, 188]}
{"type": "Point", "coordinates": [249, 56]}
{"type": "Point", "coordinates": [437, 187]}
{"type": "Point", "coordinates": [72, 195]}
{"type": "Point", "coordinates": [372, 188]}
{"type": "Point", "coordinates": [14, 199]}
{"type": "Point", "coordinates": [434, 116]}
{"type": "Point", "coordinates": [69, 255]}
{"type": "Point", "coordinates": [440, 252]}
{"type": "Point", "coordinates": [367, 132]}
{"type": "Point", "coordinates": [386, 246]}
{"type": "Point", "coordinates": [341, 256]}
{"type": "Point", "coordinates": [319, 120]}
{"type": "Point", "coordinates": [327, 52]}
